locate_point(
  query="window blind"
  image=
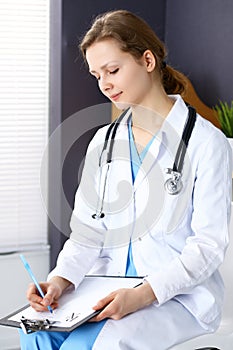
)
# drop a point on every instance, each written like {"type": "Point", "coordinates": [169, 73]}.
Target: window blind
{"type": "Point", "coordinates": [24, 72]}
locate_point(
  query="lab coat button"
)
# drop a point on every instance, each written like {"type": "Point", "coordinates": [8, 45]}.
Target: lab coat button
{"type": "Point", "coordinates": [140, 238]}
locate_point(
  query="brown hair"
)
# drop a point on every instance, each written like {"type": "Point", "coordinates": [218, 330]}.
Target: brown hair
{"type": "Point", "coordinates": [135, 36]}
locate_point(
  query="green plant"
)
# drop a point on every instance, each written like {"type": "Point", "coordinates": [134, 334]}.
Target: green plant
{"type": "Point", "coordinates": [225, 117]}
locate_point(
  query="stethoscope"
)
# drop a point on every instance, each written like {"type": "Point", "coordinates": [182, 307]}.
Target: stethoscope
{"type": "Point", "coordinates": [173, 185]}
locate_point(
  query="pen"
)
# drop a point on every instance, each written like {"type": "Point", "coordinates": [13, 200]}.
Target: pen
{"type": "Point", "coordinates": [28, 268]}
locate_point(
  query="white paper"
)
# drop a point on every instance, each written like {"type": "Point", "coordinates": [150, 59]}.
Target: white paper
{"type": "Point", "coordinates": [75, 306]}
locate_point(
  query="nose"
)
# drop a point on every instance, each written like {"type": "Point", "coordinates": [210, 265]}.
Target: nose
{"type": "Point", "coordinates": [105, 84]}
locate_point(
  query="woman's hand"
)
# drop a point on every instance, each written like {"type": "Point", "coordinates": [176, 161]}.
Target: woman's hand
{"type": "Point", "coordinates": [123, 302]}
{"type": "Point", "coordinates": [52, 290]}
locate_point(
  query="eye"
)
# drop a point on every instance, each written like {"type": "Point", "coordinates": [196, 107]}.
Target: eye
{"type": "Point", "coordinates": [114, 71]}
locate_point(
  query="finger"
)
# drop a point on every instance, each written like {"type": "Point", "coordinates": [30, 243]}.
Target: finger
{"type": "Point", "coordinates": [99, 317]}
{"type": "Point", "coordinates": [33, 293]}
{"type": "Point", "coordinates": [41, 308]}
{"type": "Point", "coordinates": [110, 311]}
{"type": "Point", "coordinates": [32, 290]}
{"type": "Point", "coordinates": [35, 298]}
{"type": "Point", "coordinates": [103, 302]}
{"type": "Point", "coordinates": [54, 305]}
{"type": "Point", "coordinates": [38, 307]}
{"type": "Point", "coordinates": [101, 306]}
{"type": "Point", "coordinates": [50, 294]}
{"type": "Point", "coordinates": [93, 319]}
{"type": "Point", "coordinates": [47, 300]}
{"type": "Point", "coordinates": [105, 313]}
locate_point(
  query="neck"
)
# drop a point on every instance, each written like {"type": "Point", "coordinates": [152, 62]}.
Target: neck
{"type": "Point", "coordinates": [151, 116]}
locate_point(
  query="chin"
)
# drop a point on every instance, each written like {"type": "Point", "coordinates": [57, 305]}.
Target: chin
{"type": "Point", "coordinates": [122, 105]}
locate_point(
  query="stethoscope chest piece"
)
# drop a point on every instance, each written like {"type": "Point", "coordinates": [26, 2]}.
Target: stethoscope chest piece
{"type": "Point", "coordinates": [174, 184]}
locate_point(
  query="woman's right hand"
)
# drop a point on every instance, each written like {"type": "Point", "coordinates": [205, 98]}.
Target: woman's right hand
{"type": "Point", "coordinates": [52, 290]}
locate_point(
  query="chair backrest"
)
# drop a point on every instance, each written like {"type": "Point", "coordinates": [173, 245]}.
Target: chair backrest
{"type": "Point", "coordinates": [227, 273]}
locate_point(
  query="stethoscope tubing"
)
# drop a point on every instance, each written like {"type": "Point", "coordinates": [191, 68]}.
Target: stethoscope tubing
{"type": "Point", "coordinates": [173, 185]}
{"type": "Point", "coordinates": [113, 127]}
{"type": "Point", "coordinates": [181, 151]}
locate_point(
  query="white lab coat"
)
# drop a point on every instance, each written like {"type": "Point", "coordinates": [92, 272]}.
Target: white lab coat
{"type": "Point", "coordinates": [178, 242]}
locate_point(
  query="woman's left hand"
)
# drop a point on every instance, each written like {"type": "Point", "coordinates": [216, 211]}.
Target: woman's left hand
{"type": "Point", "coordinates": [123, 302]}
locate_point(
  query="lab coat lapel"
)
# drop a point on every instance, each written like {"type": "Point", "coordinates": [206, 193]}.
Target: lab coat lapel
{"type": "Point", "coordinates": [121, 152]}
{"type": "Point", "coordinates": [120, 196]}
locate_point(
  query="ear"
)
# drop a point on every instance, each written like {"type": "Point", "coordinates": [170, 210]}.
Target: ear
{"type": "Point", "coordinates": [149, 60]}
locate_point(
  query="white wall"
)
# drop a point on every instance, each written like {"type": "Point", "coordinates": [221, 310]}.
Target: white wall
{"type": "Point", "coordinates": [14, 283]}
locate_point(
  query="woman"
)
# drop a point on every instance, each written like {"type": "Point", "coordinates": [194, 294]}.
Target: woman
{"type": "Point", "coordinates": [176, 240]}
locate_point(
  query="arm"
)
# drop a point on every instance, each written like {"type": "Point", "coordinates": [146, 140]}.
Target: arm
{"type": "Point", "coordinates": [205, 248]}
{"type": "Point", "coordinates": [82, 249]}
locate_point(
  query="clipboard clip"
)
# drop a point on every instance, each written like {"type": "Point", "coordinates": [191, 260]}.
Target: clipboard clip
{"type": "Point", "coordinates": [33, 325]}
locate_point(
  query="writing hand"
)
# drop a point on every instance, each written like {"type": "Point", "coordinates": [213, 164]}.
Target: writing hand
{"type": "Point", "coordinates": [52, 293]}
{"type": "Point", "coordinates": [52, 290]}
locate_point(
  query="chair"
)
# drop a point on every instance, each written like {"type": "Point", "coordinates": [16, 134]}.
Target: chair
{"type": "Point", "coordinates": [192, 98]}
{"type": "Point", "coordinates": [223, 338]}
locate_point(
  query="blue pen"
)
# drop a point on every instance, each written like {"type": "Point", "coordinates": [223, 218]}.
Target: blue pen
{"type": "Point", "coordinates": [28, 268]}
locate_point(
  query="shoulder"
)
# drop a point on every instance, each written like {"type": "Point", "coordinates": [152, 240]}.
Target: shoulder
{"type": "Point", "coordinates": [99, 137]}
{"type": "Point", "coordinates": [206, 133]}
{"type": "Point", "coordinates": [208, 145]}
{"type": "Point", "coordinates": [121, 124]}
{"type": "Point", "coordinates": [101, 133]}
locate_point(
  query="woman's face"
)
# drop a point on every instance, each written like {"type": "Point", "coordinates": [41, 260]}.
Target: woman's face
{"type": "Point", "coordinates": [125, 81]}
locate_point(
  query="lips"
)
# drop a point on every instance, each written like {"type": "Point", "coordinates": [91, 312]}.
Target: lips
{"type": "Point", "coordinates": [115, 96]}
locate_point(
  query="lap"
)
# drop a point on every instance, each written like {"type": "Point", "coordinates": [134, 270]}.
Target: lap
{"type": "Point", "coordinates": [154, 327]}
{"type": "Point", "coordinates": [82, 337]}
{"type": "Point", "coordinates": [42, 340]}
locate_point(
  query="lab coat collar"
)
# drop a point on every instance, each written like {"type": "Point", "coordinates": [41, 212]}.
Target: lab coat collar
{"type": "Point", "coordinates": [172, 128]}
{"type": "Point", "coordinates": [177, 117]}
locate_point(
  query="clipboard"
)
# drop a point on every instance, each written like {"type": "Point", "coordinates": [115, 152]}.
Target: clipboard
{"type": "Point", "coordinates": [75, 306]}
